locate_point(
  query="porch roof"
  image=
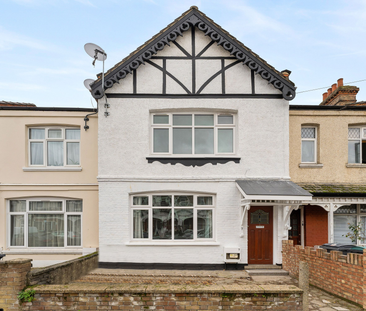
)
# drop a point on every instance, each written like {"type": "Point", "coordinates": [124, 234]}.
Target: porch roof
{"type": "Point", "coordinates": [271, 190]}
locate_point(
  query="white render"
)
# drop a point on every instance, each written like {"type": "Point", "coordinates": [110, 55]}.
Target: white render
{"type": "Point", "coordinates": [125, 138]}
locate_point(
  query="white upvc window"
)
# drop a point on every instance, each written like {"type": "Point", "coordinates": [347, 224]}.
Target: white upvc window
{"type": "Point", "coordinates": [172, 217]}
{"type": "Point", "coordinates": [54, 146]}
{"type": "Point", "coordinates": [357, 145]}
{"type": "Point", "coordinates": [193, 134]}
{"type": "Point", "coordinates": [308, 144]}
{"type": "Point", "coordinates": [44, 223]}
{"type": "Point", "coordinates": [346, 215]}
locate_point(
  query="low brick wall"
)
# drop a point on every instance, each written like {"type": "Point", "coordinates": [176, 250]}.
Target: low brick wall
{"type": "Point", "coordinates": [341, 275]}
{"type": "Point", "coordinates": [64, 272]}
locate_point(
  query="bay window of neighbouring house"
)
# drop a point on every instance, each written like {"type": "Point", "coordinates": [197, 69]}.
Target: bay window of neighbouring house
{"type": "Point", "coordinates": [347, 216]}
{"type": "Point", "coordinates": [308, 144]}
{"type": "Point", "coordinates": [44, 223]}
{"type": "Point", "coordinates": [178, 217]}
{"type": "Point", "coordinates": [54, 146]}
{"type": "Point", "coordinates": [357, 145]}
{"type": "Point", "coordinates": [193, 134]}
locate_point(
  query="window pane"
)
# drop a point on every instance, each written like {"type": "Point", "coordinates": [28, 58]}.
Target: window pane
{"type": "Point", "coordinates": [308, 132]}
{"type": "Point", "coordinates": [72, 133]}
{"type": "Point", "coordinates": [307, 151]}
{"type": "Point", "coordinates": [182, 119]}
{"type": "Point", "coordinates": [183, 200]}
{"type": "Point", "coordinates": [182, 141]}
{"type": "Point", "coordinates": [45, 206]}
{"type": "Point", "coordinates": [363, 229]}
{"type": "Point", "coordinates": [201, 119]}
{"type": "Point", "coordinates": [36, 153]}
{"type": "Point", "coordinates": [204, 224]}
{"type": "Point", "coordinates": [225, 119]}
{"type": "Point", "coordinates": [17, 206]}
{"type": "Point", "coordinates": [140, 224]}
{"type": "Point", "coordinates": [160, 119]}
{"type": "Point", "coordinates": [353, 133]}
{"type": "Point", "coordinates": [162, 200]}
{"type": "Point", "coordinates": [55, 153]}
{"type": "Point", "coordinates": [353, 151]}
{"type": "Point", "coordinates": [36, 134]}
{"type": "Point", "coordinates": [161, 140]}
{"type": "Point", "coordinates": [73, 230]}
{"type": "Point", "coordinates": [204, 141]}
{"type": "Point", "coordinates": [16, 230]}
{"type": "Point", "coordinates": [45, 230]}
{"type": "Point", "coordinates": [204, 200]}
{"type": "Point", "coordinates": [140, 200]}
{"type": "Point", "coordinates": [363, 208]}
{"type": "Point", "coordinates": [183, 224]}
{"type": "Point", "coordinates": [74, 206]}
{"type": "Point", "coordinates": [225, 140]}
{"type": "Point", "coordinates": [73, 156]}
{"type": "Point", "coordinates": [347, 209]}
{"type": "Point", "coordinates": [52, 133]}
{"type": "Point", "coordinates": [341, 224]}
{"type": "Point", "coordinates": [162, 224]}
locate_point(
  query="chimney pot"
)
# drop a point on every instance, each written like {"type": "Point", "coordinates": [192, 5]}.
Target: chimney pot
{"type": "Point", "coordinates": [334, 87]}
{"type": "Point", "coordinates": [340, 82]}
{"type": "Point", "coordinates": [325, 95]}
{"type": "Point", "coordinates": [329, 91]}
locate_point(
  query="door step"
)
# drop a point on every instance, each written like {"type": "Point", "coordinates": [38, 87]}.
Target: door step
{"type": "Point", "coordinates": [261, 267]}
{"type": "Point", "coordinates": [269, 270]}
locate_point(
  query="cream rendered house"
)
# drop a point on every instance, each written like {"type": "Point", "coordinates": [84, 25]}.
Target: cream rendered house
{"type": "Point", "coordinates": [48, 186]}
{"type": "Point", "coordinates": [193, 165]}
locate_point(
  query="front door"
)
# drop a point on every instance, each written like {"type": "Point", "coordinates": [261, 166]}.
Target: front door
{"type": "Point", "coordinates": [260, 235]}
{"type": "Point", "coordinates": [295, 233]}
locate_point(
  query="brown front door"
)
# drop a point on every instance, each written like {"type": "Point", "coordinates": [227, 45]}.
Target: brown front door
{"type": "Point", "coordinates": [260, 235]}
{"type": "Point", "coordinates": [295, 233]}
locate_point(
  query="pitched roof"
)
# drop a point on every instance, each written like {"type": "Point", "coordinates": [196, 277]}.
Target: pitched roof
{"type": "Point", "coordinates": [333, 188]}
{"type": "Point", "coordinates": [190, 18]}
{"type": "Point", "coordinates": [15, 104]}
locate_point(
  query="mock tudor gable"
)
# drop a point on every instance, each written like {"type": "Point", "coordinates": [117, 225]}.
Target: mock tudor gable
{"type": "Point", "coordinates": [194, 57]}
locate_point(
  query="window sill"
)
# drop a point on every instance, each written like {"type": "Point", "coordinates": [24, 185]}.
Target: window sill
{"type": "Point", "coordinates": [52, 169]}
{"type": "Point", "coordinates": [355, 165]}
{"type": "Point", "coordinates": [149, 243]}
{"type": "Point", "coordinates": [310, 165]}
{"type": "Point", "coordinates": [50, 251]}
{"type": "Point", "coordinates": [192, 161]}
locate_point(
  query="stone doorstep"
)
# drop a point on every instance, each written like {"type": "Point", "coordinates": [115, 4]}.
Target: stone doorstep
{"type": "Point", "coordinates": [86, 288]}
{"type": "Point", "coordinates": [262, 267]}
{"type": "Point", "coordinates": [269, 272]}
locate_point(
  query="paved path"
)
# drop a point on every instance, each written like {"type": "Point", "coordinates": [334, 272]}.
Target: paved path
{"type": "Point", "coordinates": [319, 300]}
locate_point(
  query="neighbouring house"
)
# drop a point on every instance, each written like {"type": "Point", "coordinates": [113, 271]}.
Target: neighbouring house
{"type": "Point", "coordinates": [328, 159]}
{"type": "Point", "coordinates": [48, 185]}
{"type": "Point", "coordinates": [193, 144]}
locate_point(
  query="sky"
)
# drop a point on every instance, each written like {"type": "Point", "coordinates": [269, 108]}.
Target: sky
{"type": "Point", "coordinates": [42, 57]}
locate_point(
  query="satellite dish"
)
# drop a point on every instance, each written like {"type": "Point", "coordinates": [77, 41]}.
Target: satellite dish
{"type": "Point", "coordinates": [95, 51]}
{"type": "Point", "coordinates": [87, 83]}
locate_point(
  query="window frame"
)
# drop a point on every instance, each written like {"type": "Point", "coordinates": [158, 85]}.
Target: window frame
{"type": "Point", "coordinates": [315, 140]}
{"type": "Point", "coordinates": [27, 212]}
{"type": "Point", "coordinates": [216, 126]}
{"type": "Point", "coordinates": [361, 139]}
{"type": "Point", "coordinates": [150, 208]}
{"type": "Point", "coordinates": [45, 145]}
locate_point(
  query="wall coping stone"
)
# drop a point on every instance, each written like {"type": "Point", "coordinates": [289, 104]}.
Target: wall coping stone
{"type": "Point", "coordinates": [15, 261]}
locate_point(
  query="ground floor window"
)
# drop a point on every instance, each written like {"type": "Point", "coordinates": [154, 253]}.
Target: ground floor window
{"type": "Point", "coordinates": [172, 217]}
{"type": "Point", "coordinates": [346, 216]}
{"type": "Point", "coordinates": [45, 223]}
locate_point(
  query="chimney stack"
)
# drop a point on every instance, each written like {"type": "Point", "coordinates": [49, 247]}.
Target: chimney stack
{"type": "Point", "coordinates": [340, 95]}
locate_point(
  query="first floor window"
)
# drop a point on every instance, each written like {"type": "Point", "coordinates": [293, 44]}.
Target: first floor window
{"type": "Point", "coordinates": [54, 146]}
{"type": "Point", "coordinates": [45, 223]}
{"type": "Point", "coordinates": [346, 216]}
{"type": "Point", "coordinates": [308, 144]}
{"type": "Point", "coordinates": [172, 217]}
{"type": "Point", "coordinates": [357, 145]}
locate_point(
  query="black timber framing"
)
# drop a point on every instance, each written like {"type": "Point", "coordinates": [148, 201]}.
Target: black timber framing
{"type": "Point", "coordinates": [171, 96]}
{"type": "Point", "coordinates": [194, 18]}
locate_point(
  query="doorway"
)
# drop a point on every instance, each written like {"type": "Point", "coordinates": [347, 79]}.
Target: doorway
{"type": "Point", "coordinates": [295, 222]}
{"type": "Point", "coordinates": [260, 235]}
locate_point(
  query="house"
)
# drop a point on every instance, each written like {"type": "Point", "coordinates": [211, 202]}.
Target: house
{"type": "Point", "coordinates": [193, 160]}
{"type": "Point", "coordinates": [48, 185]}
{"type": "Point", "coordinates": [328, 159]}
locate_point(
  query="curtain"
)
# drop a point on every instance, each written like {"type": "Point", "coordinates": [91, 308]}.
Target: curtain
{"type": "Point", "coordinates": [72, 134]}
{"type": "Point", "coordinates": [36, 153]}
{"type": "Point", "coordinates": [74, 206]}
{"type": "Point", "coordinates": [55, 153]}
{"type": "Point", "coordinates": [17, 230]}
{"type": "Point", "coordinates": [73, 230]}
{"type": "Point", "coordinates": [45, 230]}
{"type": "Point", "coordinates": [341, 223]}
{"type": "Point", "coordinates": [73, 157]}
{"type": "Point", "coordinates": [36, 134]}
{"type": "Point", "coordinates": [45, 206]}
{"type": "Point", "coordinates": [140, 224]}
{"type": "Point", "coordinates": [204, 224]}
{"type": "Point", "coordinates": [17, 206]}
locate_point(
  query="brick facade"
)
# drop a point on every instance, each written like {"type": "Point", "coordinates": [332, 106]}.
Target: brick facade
{"type": "Point", "coordinates": [338, 274]}
{"type": "Point", "coordinates": [316, 225]}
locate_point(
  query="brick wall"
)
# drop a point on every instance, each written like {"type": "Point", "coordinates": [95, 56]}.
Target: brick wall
{"type": "Point", "coordinates": [165, 301]}
{"type": "Point", "coordinates": [336, 273]}
{"type": "Point", "coordinates": [316, 225]}
{"type": "Point", "coordinates": [13, 279]}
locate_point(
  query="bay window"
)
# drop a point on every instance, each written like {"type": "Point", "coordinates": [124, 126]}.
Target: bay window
{"type": "Point", "coordinates": [193, 134]}
{"type": "Point", "coordinates": [54, 146]}
{"type": "Point", "coordinates": [45, 223]}
{"type": "Point", "coordinates": [172, 217]}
